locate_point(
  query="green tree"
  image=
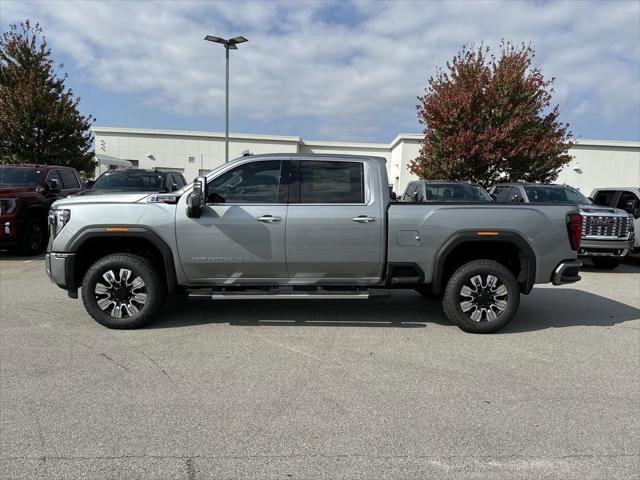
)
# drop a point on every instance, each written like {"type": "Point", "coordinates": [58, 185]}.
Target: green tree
{"type": "Point", "coordinates": [489, 119]}
{"type": "Point", "coordinates": [39, 117]}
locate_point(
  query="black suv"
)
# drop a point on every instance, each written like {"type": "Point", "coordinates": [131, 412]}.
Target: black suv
{"type": "Point", "coordinates": [133, 180]}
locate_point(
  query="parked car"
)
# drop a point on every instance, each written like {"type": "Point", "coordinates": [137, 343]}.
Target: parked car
{"type": "Point", "coordinates": [607, 233]}
{"type": "Point", "coordinates": [444, 191]}
{"type": "Point", "coordinates": [134, 180]}
{"type": "Point", "coordinates": [26, 193]}
{"type": "Point", "coordinates": [627, 199]}
{"type": "Point", "coordinates": [304, 227]}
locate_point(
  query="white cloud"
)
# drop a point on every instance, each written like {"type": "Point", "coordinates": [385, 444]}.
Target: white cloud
{"type": "Point", "coordinates": [354, 76]}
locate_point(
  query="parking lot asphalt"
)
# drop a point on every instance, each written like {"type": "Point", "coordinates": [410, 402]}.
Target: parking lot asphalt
{"type": "Point", "coordinates": [321, 389]}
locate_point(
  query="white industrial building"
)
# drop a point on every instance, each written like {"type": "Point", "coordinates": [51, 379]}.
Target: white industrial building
{"type": "Point", "coordinates": [596, 163]}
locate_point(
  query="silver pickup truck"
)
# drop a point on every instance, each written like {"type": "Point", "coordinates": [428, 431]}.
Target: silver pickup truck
{"type": "Point", "coordinates": [305, 227]}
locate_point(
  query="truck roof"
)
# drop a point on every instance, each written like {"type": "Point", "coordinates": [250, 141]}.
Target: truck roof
{"type": "Point", "coordinates": [313, 156]}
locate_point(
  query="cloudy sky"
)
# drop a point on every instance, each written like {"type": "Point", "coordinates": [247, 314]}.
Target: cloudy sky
{"type": "Point", "coordinates": [332, 70]}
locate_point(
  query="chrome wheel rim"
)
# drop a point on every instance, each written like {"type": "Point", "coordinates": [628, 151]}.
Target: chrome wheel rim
{"type": "Point", "coordinates": [121, 296]}
{"type": "Point", "coordinates": [483, 298]}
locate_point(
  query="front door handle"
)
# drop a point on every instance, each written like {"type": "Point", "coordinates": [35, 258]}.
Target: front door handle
{"type": "Point", "coordinates": [364, 219]}
{"type": "Point", "coordinates": [268, 219]}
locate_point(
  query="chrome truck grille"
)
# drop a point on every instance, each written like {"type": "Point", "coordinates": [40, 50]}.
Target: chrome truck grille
{"type": "Point", "coordinates": [605, 226]}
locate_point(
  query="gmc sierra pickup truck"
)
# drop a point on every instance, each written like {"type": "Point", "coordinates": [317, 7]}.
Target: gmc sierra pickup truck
{"type": "Point", "coordinates": [305, 226]}
{"type": "Point", "coordinates": [607, 233]}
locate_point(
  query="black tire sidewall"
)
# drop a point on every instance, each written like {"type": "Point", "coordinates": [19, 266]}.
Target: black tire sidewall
{"type": "Point", "coordinates": [451, 302]}
{"type": "Point", "coordinates": [27, 235]}
{"type": "Point", "coordinates": [139, 267]}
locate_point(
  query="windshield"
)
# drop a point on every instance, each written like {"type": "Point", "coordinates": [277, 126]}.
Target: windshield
{"type": "Point", "coordinates": [129, 181]}
{"type": "Point", "coordinates": [548, 194]}
{"type": "Point", "coordinates": [19, 177]}
{"type": "Point", "coordinates": [452, 192]}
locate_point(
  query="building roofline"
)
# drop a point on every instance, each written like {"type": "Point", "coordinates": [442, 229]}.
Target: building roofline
{"type": "Point", "coordinates": [607, 143]}
{"type": "Point", "coordinates": [414, 137]}
{"type": "Point", "coordinates": [322, 143]}
{"type": "Point", "coordinates": [194, 133]}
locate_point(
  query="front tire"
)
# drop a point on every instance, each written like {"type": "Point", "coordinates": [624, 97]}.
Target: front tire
{"type": "Point", "coordinates": [32, 237]}
{"type": "Point", "coordinates": [481, 296]}
{"type": "Point", "coordinates": [122, 291]}
{"type": "Point", "coordinates": [606, 263]}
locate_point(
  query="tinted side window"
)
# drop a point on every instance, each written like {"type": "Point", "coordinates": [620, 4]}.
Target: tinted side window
{"type": "Point", "coordinates": [53, 174]}
{"type": "Point", "coordinates": [628, 202]}
{"type": "Point", "coordinates": [410, 190]}
{"type": "Point", "coordinates": [501, 193]}
{"type": "Point", "coordinates": [255, 182]}
{"type": "Point", "coordinates": [331, 182]}
{"type": "Point", "coordinates": [179, 178]}
{"type": "Point", "coordinates": [69, 179]}
{"type": "Point", "coordinates": [514, 195]}
{"type": "Point", "coordinates": [604, 198]}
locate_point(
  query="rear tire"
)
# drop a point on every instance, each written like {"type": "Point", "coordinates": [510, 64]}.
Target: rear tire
{"type": "Point", "coordinates": [481, 296]}
{"type": "Point", "coordinates": [122, 291]}
{"type": "Point", "coordinates": [606, 263]}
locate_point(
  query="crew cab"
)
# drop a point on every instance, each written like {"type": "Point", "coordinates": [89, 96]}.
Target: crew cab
{"type": "Point", "coordinates": [296, 226]}
{"type": "Point", "coordinates": [26, 193]}
{"type": "Point", "coordinates": [607, 233]}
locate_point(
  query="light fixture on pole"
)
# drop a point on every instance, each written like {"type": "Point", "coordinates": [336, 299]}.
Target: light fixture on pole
{"type": "Point", "coordinates": [230, 44]}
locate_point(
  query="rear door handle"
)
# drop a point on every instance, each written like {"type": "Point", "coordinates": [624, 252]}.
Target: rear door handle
{"type": "Point", "coordinates": [364, 219]}
{"type": "Point", "coordinates": [268, 219]}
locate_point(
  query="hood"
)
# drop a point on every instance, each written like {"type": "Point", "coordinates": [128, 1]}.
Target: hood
{"type": "Point", "coordinates": [104, 198]}
{"type": "Point", "coordinates": [600, 210]}
{"type": "Point", "coordinates": [9, 191]}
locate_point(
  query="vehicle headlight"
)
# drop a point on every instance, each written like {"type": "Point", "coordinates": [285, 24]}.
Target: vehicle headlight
{"type": "Point", "coordinates": [58, 218]}
{"type": "Point", "coordinates": [8, 205]}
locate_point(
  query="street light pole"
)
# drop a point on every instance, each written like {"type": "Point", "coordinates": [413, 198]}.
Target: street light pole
{"type": "Point", "coordinates": [230, 44]}
{"type": "Point", "coordinates": [226, 109]}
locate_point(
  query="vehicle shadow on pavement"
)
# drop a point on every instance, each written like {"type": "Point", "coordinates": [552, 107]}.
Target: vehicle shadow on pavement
{"type": "Point", "coordinates": [543, 308]}
{"type": "Point", "coordinates": [402, 310]}
{"type": "Point", "coordinates": [568, 307]}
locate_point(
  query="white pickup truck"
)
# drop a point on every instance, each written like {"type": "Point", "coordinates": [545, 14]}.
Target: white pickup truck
{"type": "Point", "coordinates": [305, 226]}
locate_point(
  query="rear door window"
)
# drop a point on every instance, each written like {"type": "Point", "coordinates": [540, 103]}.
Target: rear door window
{"type": "Point", "coordinates": [331, 182]}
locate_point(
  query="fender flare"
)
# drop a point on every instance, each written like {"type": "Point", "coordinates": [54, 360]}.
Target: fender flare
{"type": "Point", "coordinates": [504, 236]}
{"type": "Point", "coordinates": [99, 231]}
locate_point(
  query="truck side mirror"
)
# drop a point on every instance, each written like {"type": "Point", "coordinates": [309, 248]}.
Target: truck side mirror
{"type": "Point", "coordinates": [198, 198]}
{"type": "Point", "coordinates": [414, 196]}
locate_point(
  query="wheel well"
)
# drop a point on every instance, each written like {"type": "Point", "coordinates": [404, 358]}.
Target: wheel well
{"type": "Point", "coordinates": [507, 253]}
{"type": "Point", "coordinates": [94, 248]}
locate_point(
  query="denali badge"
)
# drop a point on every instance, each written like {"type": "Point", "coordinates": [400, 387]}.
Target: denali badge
{"type": "Point", "coordinates": [221, 259]}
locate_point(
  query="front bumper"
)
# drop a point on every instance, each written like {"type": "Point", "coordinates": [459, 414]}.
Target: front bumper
{"type": "Point", "coordinates": [60, 269]}
{"type": "Point", "coordinates": [566, 272]}
{"type": "Point", "coordinates": [605, 248]}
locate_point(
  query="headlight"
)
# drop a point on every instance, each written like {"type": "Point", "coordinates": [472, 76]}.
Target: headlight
{"type": "Point", "coordinates": [58, 218]}
{"type": "Point", "coordinates": [8, 205]}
